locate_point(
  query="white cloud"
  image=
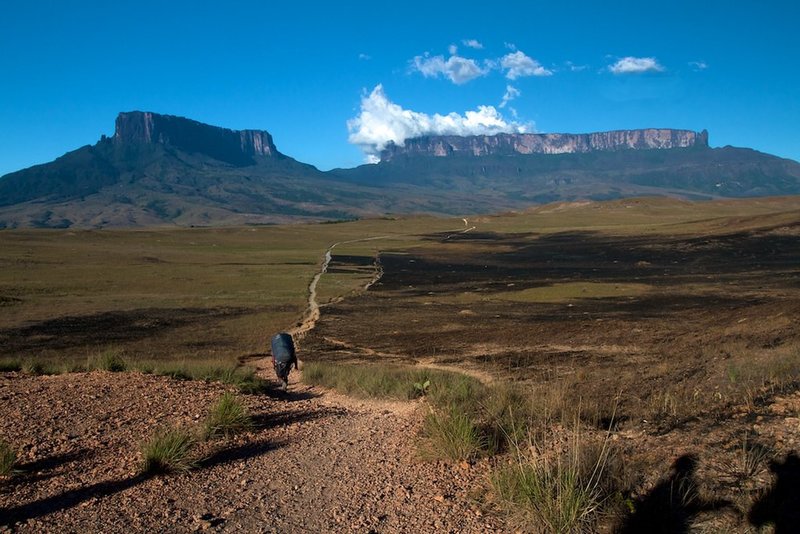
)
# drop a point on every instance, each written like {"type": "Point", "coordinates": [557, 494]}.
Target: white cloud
{"type": "Point", "coordinates": [510, 46]}
{"type": "Point", "coordinates": [457, 69]}
{"type": "Point", "coordinates": [364, 57]}
{"type": "Point", "coordinates": [698, 65]}
{"type": "Point", "coordinates": [472, 43]}
{"type": "Point", "coordinates": [576, 68]}
{"type": "Point", "coordinates": [453, 49]}
{"type": "Point", "coordinates": [510, 94]}
{"type": "Point", "coordinates": [518, 65]}
{"type": "Point", "coordinates": [635, 65]}
{"type": "Point", "coordinates": [381, 121]}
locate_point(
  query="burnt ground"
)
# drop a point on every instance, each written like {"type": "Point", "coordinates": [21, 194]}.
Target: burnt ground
{"type": "Point", "coordinates": [701, 292]}
{"type": "Point", "coordinates": [102, 329]}
{"type": "Point", "coordinates": [706, 354]}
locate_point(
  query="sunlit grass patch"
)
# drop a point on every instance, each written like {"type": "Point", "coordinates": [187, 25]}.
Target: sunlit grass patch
{"type": "Point", "coordinates": [168, 450]}
{"type": "Point", "coordinates": [227, 417]}
{"type": "Point", "coordinates": [244, 378]}
{"type": "Point", "coordinates": [451, 434]}
{"type": "Point", "coordinates": [381, 381]}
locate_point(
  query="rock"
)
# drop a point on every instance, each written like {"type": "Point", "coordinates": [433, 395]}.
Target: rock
{"type": "Point", "coordinates": [555, 143]}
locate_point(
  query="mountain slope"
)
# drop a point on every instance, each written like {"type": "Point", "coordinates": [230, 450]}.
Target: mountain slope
{"type": "Point", "coordinates": [160, 169]}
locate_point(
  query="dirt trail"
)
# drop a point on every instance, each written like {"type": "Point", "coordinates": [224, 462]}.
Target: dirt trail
{"type": "Point", "coordinates": [317, 462]}
{"type": "Point", "coordinates": [311, 314]}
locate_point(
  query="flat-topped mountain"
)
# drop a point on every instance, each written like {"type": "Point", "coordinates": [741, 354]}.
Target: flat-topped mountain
{"type": "Point", "coordinates": [552, 143]}
{"type": "Point", "coordinates": [161, 169]}
{"type": "Point", "coordinates": [231, 146]}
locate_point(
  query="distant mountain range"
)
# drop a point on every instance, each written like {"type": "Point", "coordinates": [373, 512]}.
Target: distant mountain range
{"type": "Point", "coordinates": [160, 169]}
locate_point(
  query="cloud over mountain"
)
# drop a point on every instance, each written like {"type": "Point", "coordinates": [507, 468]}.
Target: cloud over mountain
{"type": "Point", "coordinates": [381, 121]}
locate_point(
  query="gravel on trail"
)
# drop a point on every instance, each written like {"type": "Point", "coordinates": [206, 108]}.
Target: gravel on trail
{"type": "Point", "coordinates": [316, 462]}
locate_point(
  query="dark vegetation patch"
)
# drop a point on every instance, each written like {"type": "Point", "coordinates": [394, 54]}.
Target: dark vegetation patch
{"type": "Point", "coordinates": [105, 328]}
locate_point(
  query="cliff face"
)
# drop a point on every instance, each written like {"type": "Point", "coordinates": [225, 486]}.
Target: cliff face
{"type": "Point", "coordinates": [237, 147]}
{"type": "Point", "coordinates": [509, 144]}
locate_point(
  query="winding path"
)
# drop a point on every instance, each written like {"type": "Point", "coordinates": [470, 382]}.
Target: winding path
{"type": "Point", "coordinates": [312, 312]}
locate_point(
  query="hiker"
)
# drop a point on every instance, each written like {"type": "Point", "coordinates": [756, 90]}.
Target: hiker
{"type": "Point", "coordinates": [283, 357]}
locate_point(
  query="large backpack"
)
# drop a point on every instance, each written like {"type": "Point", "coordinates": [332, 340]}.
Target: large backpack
{"type": "Point", "coordinates": [283, 348]}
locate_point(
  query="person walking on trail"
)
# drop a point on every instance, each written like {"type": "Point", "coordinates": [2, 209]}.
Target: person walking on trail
{"type": "Point", "coordinates": [283, 357]}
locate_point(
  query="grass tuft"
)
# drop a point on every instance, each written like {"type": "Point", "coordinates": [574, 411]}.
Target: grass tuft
{"type": "Point", "coordinates": [39, 368]}
{"type": "Point", "coordinates": [565, 493]}
{"type": "Point", "coordinates": [8, 365]}
{"type": "Point", "coordinates": [109, 361]}
{"type": "Point", "coordinates": [227, 417]}
{"type": "Point", "coordinates": [8, 459]}
{"type": "Point", "coordinates": [168, 450]}
{"type": "Point", "coordinates": [451, 435]}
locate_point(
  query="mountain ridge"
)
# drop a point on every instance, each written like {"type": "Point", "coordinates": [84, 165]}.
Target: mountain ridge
{"type": "Point", "coordinates": [547, 143]}
{"type": "Point", "coordinates": [164, 169]}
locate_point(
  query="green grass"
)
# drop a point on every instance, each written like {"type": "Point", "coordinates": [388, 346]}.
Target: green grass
{"type": "Point", "coordinates": [110, 360]}
{"type": "Point", "coordinates": [8, 459]}
{"type": "Point", "coordinates": [382, 381]}
{"type": "Point", "coordinates": [558, 493]}
{"type": "Point", "coordinates": [451, 434]}
{"type": "Point", "coordinates": [227, 417]}
{"type": "Point", "coordinates": [168, 450]}
{"type": "Point", "coordinates": [38, 367]}
{"type": "Point", "coordinates": [259, 274]}
{"type": "Point", "coordinates": [244, 378]}
{"type": "Point", "coordinates": [467, 418]}
{"type": "Point", "coordinates": [8, 365]}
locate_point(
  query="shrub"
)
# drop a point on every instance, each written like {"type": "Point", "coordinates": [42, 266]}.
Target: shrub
{"type": "Point", "coordinates": [168, 450]}
{"type": "Point", "coordinates": [8, 459]}
{"type": "Point", "coordinates": [227, 417]}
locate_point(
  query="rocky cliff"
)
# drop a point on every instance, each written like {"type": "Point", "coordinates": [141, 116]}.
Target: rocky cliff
{"type": "Point", "coordinates": [237, 147]}
{"type": "Point", "coordinates": [555, 143]}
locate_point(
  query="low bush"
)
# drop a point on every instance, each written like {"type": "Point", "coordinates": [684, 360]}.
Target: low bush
{"type": "Point", "coordinates": [227, 417]}
{"type": "Point", "coordinates": [168, 450]}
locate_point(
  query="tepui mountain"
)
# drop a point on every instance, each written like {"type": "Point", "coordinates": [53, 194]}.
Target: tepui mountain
{"type": "Point", "coordinates": [166, 170]}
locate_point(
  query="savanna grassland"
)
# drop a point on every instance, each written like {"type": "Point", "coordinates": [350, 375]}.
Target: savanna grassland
{"type": "Point", "coordinates": [669, 327]}
{"type": "Point", "coordinates": [584, 366]}
{"type": "Point", "coordinates": [212, 295]}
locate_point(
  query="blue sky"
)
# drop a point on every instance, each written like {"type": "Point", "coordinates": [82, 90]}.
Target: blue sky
{"type": "Point", "coordinates": [302, 72]}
